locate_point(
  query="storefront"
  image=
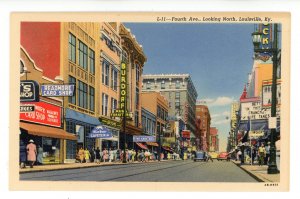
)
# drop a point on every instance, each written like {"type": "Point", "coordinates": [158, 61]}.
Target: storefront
{"type": "Point", "coordinates": [114, 127]}
{"type": "Point", "coordinates": [80, 125]}
{"type": "Point", "coordinates": [43, 126]}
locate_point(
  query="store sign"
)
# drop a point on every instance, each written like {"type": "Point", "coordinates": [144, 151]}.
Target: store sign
{"type": "Point", "coordinates": [29, 91]}
{"type": "Point", "coordinates": [26, 108]}
{"type": "Point", "coordinates": [186, 134]}
{"type": "Point", "coordinates": [109, 122]}
{"type": "Point", "coordinates": [57, 90]}
{"type": "Point", "coordinates": [266, 42]}
{"type": "Point", "coordinates": [255, 111]}
{"type": "Point", "coordinates": [256, 134]}
{"type": "Point", "coordinates": [142, 138]}
{"type": "Point", "coordinates": [123, 94]}
{"type": "Point", "coordinates": [44, 113]}
{"type": "Point", "coordinates": [100, 132]}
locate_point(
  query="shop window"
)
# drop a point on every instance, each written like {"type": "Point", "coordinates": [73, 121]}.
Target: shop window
{"type": "Point", "coordinates": [114, 79]}
{"type": "Point", "coordinates": [163, 86]}
{"type": "Point", "coordinates": [104, 104]}
{"type": "Point", "coordinates": [92, 98]}
{"type": "Point", "coordinates": [105, 73]}
{"type": "Point", "coordinates": [177, 85]}
{"type": "Point", "coordinates": [82, 95]}
{"type": "Point", "coordinates": [51, 150]}
{"type": "Point", "coordinates": [71, 149]}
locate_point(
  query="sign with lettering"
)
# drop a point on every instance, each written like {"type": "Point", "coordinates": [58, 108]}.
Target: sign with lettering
{"type": "Point", "coordinates": [57, 89]}
{"type": "Point", "coordinates": [26, 108]}
{"type": "Point", "coordinates": [186, 134]}
{"type": "Point", "coordinates": [29, 91]}
{"type": "Point", "coordinates": [44, 113]}
{"type": "Point", "coordinates": [266, 42]}
{"type": "Point", "coordinates": [256, 134]}
{"type": "Point", "coordinates": [109, 122]}
{"type": "Point", "coordinates": [100, 132]}
{"type": "Point", "coordinates": [255, 111]}
{"type": "Point", "coordinates": [143, 138]}
{"type": "Point", "coordinates": [123, 94]}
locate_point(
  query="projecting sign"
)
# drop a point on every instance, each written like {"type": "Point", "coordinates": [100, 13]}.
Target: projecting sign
{"type": "Point", "coordinates": [57, 89]}
{"type": "Point", "coordinates": [144, 138]}
{"type": "Point", "coordinates": [100, 132]}
{"type": "Point", "coordinates": [29, 91]}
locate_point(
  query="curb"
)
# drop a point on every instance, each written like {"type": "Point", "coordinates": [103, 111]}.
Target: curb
{"type": "Point", "coordinates": [82, 167]}
{"type": "Point", "coordinates": [248, 172]}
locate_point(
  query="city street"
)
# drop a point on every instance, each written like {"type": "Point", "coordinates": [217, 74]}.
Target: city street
{"type": "Point", "coordinates": [168, 171]}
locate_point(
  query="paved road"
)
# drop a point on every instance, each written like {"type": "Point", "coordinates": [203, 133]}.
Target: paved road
{"type": "Point", "coordinates": [169, 171]}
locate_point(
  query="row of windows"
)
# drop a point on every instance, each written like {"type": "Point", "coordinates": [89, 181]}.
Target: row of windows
{"type": "Point", "coordinates": [148, 125]}
{"type": "Point", "coordinates": [84, 93]}
{"type": "Point", "coordinates": [110, 44]}
{"type": "Point", "coordinates": [109, 75]}
{"type": "Point", "coordinates": [162, 113]}
{"type": "Point", "coordinates": [163, 85]}
{"type": "Point", "coordinates": [113, 104]}
{"type": "Point", "coordinates": [84, 53]}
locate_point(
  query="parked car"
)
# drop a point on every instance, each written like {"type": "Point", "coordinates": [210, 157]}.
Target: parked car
{"type": "Point", "coordinates": [213, 155]}
{"type": "Point", "coordinates": [223, 156]}
{"type": "Point", "coordinates": [200, 156]}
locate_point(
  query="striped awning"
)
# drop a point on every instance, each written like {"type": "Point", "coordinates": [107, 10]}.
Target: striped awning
{"type": "Point", "coordinates": [142, 146]}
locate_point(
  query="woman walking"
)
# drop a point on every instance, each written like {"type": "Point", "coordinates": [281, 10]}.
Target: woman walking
{"type": "Point", "coordinates": [97, 155]}
{"type": "Point", "coordinates": [81, 155]}
{"type": "Point", "coordinates": [87, 155]}
{"type": "Point", "coordinates": [31, 153]}
{"type": "Point", "coordinates": [40, 155]}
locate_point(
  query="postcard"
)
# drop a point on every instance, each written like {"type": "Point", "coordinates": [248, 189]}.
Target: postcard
{"type": "Point", "coordinates": [155, 101]}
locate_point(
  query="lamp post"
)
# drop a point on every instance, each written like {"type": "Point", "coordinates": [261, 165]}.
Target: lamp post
{"type": "Point", "coordinates": [257, 37]}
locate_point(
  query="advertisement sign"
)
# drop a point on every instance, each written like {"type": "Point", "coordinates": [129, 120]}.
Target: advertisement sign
{"type": "Point", "coordinates": [255, 111]}
{"type": "Point", "coordinates": [57, 89]}
{"type": "Point", "coordinates": [100, 132]}
{"type": "Point", "coordinates": [186, 134]}
{"type": "Point", "coordinates": [44, 113]}
{"type": "Point", "coordinates": [29, 91]}
{"type": "Point", "coordinates": [26, 108]}
{"type": "Point", "coordinates": [256, 134]}
{"type": "Point", "coordinates": [109, 122]}
{"type": "Point", "coordinates": [142, 138]}
{"type": "Point", "coordinates": [266, 42]}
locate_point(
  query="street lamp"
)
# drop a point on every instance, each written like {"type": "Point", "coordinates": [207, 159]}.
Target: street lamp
{"type": "Point", "coordinates": [256, 37]}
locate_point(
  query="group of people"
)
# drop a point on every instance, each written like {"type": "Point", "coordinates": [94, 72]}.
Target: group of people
{"type": "Point", "coordinates": [260, 153]}
{"type": "Point", "coordinates": [30, 154]}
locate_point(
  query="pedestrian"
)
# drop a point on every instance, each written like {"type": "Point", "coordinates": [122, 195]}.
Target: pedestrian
{"type": "Point", "coordinates": [105, 155]}
{"type": "Point", "coordinates": [40, 155]}
{"type": "Point", "coordinates": [253, 154]}
{"type": "Point", "coordinates": [239, 154]}
{"type": "Point", "coordinates": [92, 152]}
{"type": "Point", "coordinates": [23, 154]}
{"type": "Point", "coordinates": [31, 153]}
{"type": "Point", "coordinates": [133, 155]}
{"type": "Point", "coordinates": [267, 153]}
{"type": "Point", "coordinates": [261, 154]}
{"type": "Point", "coordinates": [118, 155]}
{"type": "Point", "coordinates": [111, 155]}
{"type": "Point", "coordinates": [97, 155]}
{"type": "Point", "coordinates": [129, 155]}
{"type": "Point", "coordinates": [81, 155]}
{"type": "Point", "coordinates": [87, 155]}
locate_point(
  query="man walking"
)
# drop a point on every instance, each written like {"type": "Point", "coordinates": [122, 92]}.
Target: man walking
{"type": "Point", "coordinates": [261, 154]}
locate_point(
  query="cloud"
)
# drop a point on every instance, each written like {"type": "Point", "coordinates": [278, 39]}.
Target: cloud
{"type": "Point", "coordinates": [220, 101]}
{"type": "Point", "coordinates": [221, 122]}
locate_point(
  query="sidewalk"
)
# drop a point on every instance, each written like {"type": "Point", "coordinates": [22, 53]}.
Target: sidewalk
{"type": "Point", "coordinates": [53, 167]}
{"type": "Point", "coordinates": [259, 172]}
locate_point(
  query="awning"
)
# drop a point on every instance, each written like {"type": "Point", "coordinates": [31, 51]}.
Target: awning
{"type": "Point", "coordinates": [142, 146]}
{"type": "Point", "coordinates": [167, 148]}
{"type": "Point", "coordinates": [152, 143]}
{"type": "Point", "coordinates": [71, 114]}
{"type": "Point", "coordinates": [39, 130]}
{"type": "Point", "coordinates": [256, 125]}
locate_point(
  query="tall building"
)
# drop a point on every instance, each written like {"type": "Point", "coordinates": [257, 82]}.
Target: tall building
{"type": "Point", "coordinates": [89, 55]}
{"type": "Point", "coordinates": [179, 91]}
{"type": "Point", "coordinates": [233, 125]}
{"type": "Point", "coordinates": [203, 120]}
{"type": "Point", "coordinates": [213, 139]}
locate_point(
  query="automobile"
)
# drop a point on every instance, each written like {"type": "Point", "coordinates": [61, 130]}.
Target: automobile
{"type": "Point", "coordinates": [213, 155]}
{"type": "Point", "coordinates": [200, 156]}
{"type": "Point", "coordinates": [223, 156]}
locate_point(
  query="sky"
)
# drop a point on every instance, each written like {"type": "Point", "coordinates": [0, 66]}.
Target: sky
{"type": "Point", "coordinates": [217, 56]}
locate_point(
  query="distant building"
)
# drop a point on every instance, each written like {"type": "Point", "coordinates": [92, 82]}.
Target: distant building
{"type": "Point", "coordinates": [180, 93]}
{"type": "Point", "coordinates": [203, 120]}
{"type": "Point", "coordinates": [213, 139]}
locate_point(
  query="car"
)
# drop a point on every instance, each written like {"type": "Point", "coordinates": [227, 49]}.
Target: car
{"type": "Point", "coordinates": [200, 156]}
{"type": "Point", "coordinates": [223, 156]}
{"type": "Point", "coordinates": [213, 155]}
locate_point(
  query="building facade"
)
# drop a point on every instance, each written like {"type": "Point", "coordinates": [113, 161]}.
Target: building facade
{"type": "Point", "coordinates": [213, 139]}
{"type": "Point", "coordinates": [180, 93]}
{"type": "Point", "coordinates": [203, 120]}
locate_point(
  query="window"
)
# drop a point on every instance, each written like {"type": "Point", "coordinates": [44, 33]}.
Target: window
{"type": "Point", "coordinates": [72, 99]}
{"type": "Point", "coordinates": [72, 48]}
{"type": "Point", "coordinates": [163, 86]}
{"type": "Point", "coordinates": [105, 73]}
{"type": "Point", "coordinates": [137, 97]}
{"type": "Point", "coordinates": [177, 84]}
{"type": "Point", "coordinates": [148, 85]}
{"type": "Point", "coordinates": [82, 95]}
{"type": "Point", "coordinates": [83, 53]}
{"type": "Point", "coordinates": [136, 119]}
{"type": "Point", "coordinates": [144, 125]}
{"type": "Point", "coordinates": [177, 105]}
{"type": "Point", "coordinates": [113, 105]}
{"type": "Point", "coordinates": [92, 98]}
{"type": "Point", "coordinates": [137, 74]}
{"type": "Point", "coordinates": [104, 104]}
{"type": "Point", "coordinates": [114, 79]}
{"type": "Point", "coordinates": [92, 61]}
{"type": "Point", "coordinates": [177, 95]}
